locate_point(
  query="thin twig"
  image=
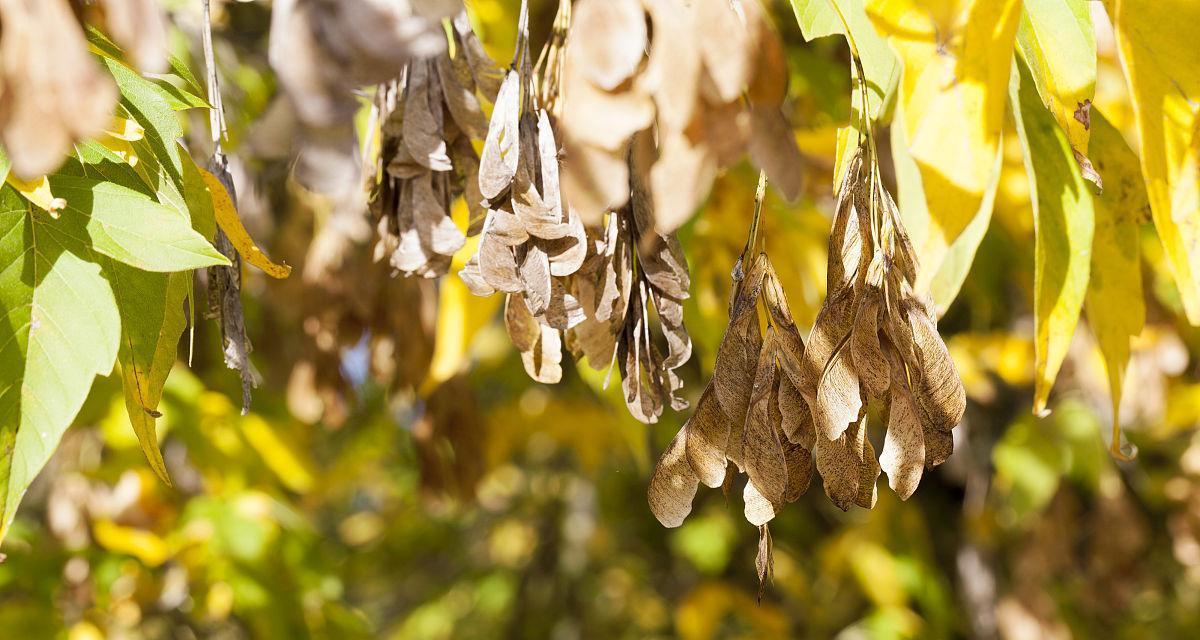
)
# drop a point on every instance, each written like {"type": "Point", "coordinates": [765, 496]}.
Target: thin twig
{"type": "Point", "coordinates": [216, 115]}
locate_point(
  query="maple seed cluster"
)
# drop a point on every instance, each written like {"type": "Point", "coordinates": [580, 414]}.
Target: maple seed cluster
{"type": "Point", "coordinates": [775, 406]}
{"type": "Point", "coordinates": [704, 80]}
{"type": "Point", "coordinates": [429, 117]}
{"type": "Point", "coordinates": [875, 338]}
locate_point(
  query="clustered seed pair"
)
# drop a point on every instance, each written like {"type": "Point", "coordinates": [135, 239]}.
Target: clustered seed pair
{"type": "Point", "coordinates": [776, 406]}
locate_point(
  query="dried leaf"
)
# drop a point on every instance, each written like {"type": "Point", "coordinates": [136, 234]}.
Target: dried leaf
{"type": "Point", "coordinates": [872, 366]}
{"type": "Point", "coordinates": [611, 37]}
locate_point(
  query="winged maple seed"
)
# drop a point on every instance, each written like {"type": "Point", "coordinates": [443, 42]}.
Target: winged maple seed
{"type": "Point", "coordinates": [532, 241]}
{"type": "Point", "coordinates": [710, 88]}
{"type": "Point", "coordinates": [632, 271]}
{"type": "Point", "coordinates": [52, 91]}
{"type": "Point", "coordinates": [429, 117]}
{"type": "Point", "coordinates": [875, 338]}
{"type": "Point", "coordinates": [750, 413]}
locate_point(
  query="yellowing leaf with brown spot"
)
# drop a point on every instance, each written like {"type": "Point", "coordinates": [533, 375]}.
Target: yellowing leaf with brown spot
{"type": "Point", "coordinates": [955, 58]}
{"type": "Point", "coordinates": [1157, 41]}
{"type": "Point", "coordinates": [1115, 308]}
{"type": "Point", "coordinates": [1063, 214]}
{"type": "Point", "coordinates": [227, 217]}
{"type": "Point", "coordinates": [1057, 41]}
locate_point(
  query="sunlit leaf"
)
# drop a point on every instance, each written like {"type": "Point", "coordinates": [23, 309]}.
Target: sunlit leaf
{"type": "Point", "coordinates": [1157, 43]}
{"type": "Point", "coordinates": [60, 329]}
{"type": "Point", "coordinates": [1064, 217]}
{"type": "Point", "coordinates": [1057, 41]}
{"type": "Point", "coordinates": [1115, 308]}
{"type": "Point", "coordinates": [955, 62]}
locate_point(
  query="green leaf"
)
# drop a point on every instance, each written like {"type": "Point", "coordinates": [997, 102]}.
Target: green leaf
{"type": "Point", "coordinates": [1115, 308]}
{"type": "Point", "coordinates": [128, 226]}
{"type": "Point", "coordinates": [60, 329]}
{"type": "Point", "coordinates": [943, 269]}
{"type": "Point", "coordinates": [1057, 41]}
{"type": "Point", "coordinates": [818, 19]}
{"type": "Point", "coordinates": [160, 160]}
{"type": "Point", "coordinates": [1063, 220]}
{"type": "Point", "coordinates": [152, 321]}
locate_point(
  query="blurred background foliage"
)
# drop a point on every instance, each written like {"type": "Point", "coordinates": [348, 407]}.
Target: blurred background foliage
{"type": "Point", "coordinates": [479, 504]}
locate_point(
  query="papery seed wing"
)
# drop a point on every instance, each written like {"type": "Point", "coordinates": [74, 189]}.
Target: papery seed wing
{"type": "Point", "coordinates": [673, 485]}
{"type": "Point", "coordinates": [724, 46]}
{"type": "Point", "coordinates": [568, 253]}
{"type": "Point", "coordinates": [432, 219]}
{"type": "Point", "coordinates": [839, 462]}
{"type": "Point", "coordinates": [761, 452]}
{"type": "Point", "coordinates": [540, 346]}
{"type": "Point", "coordinates": [501, 149]}
{"type": "Point", "coordinates": [460, 97]}
{"type": "Point", "coordinates": [759, 510]}
{"type": "Point", "coordinates": [872, 366]}
{"type": "Point", "coordinates": [940, 394]}
{"type": "Point", "coordinates": [483, 68]}
{"type": "Point", "coordinates": [829, 382]}
{"type": "Point", "coordinates": [797, 421]}
{"type": "Point", "coordinates": [472, 276]}
{"type": "Point", "coordinates": [903, 456]}
{"type": "Point", "coordinates": [608, 38]}
{"type": "Point", "coordinates": [707, 440]}
{"type": "Point", "coordinates": [680, 178]}
{"type": "Point", "coordinates": [506, 227]}
{"type": "Point", "coordinates": [564, 310]}
{"type": "Point", "coordinates": [673, 71]}
{"type": "Point", "coordinates": [737, 357]}
{"type": "Point", "coordinates": [868, 470]}
{"type": "Point", "coordinates": [799, 471]}
{"type": "Point", "coordinates": [535, 274]}
{"type": "Point", "coordinates": [498, 265]}
{"type": "Point", "coordinates": [423, 129]}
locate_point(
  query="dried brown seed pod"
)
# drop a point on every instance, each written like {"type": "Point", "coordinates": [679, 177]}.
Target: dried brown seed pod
{"type": "Point", "coordinates": [428, 117]}
{"type": "Point", "coordinates": [874, 338]}
{"type": "Point", "coordinates": [708, 80]}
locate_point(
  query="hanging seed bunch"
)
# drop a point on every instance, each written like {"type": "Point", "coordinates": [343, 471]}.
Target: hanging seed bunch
{"type": "Point", "coordinates": [630, 272]}
{"type": "Point", "coordinates": [429, 117]}
{"type": "Point", "coordinates": [708, 77]}
{"type": "Point", "coordinates": [875, 339]}
{"type": "Point", "coordinates": [751, 413]}
{"type": "Point", "coordinates": [532, 240]}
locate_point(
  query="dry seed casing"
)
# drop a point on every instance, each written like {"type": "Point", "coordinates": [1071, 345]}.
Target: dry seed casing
{"type": "Point", "coordinates": [874, 338]}
{"type": "Point", "coordinates": [710, 89]}
{"type": "Point", "coordinates": [429, 117]}
{"type": "Point", "coordinates": [532, 241]}
{"type": "Point", "coordinates": [749, 414]}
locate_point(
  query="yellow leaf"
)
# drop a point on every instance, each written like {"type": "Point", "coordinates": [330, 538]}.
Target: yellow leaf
{"type": "Point", "coordinates": [279, 457]}
{"type": "Point", "coordinates": [139, 543]}
{"type": "Point", "coordinates": [227, 217]}
{"type": "Point", "coordinates": [1159, 53]}
{"type": "Point", "coordinates": [943, 267]}
{"type": "Point", "coordinates": [1063, 220]}
{"type": "Point", "coordinates": [955, 57]}
{"type": "Point", "coordinates": [1115, 308]}
{"type": "Point", "coordinates": [1057, 41]}
{"type": "Point", "coordinates": [38, 192]}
